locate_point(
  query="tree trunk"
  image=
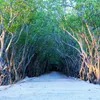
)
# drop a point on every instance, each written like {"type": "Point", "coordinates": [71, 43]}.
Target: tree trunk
{"type": "Point", "coordinates": [2, 48]}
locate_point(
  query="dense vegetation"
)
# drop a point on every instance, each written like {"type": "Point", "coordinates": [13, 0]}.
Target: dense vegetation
{"type": "Point", "coordinates": [39, 36]}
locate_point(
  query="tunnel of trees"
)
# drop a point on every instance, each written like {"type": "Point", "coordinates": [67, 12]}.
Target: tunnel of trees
{"type": "Point", "coordinates": [39, 36]}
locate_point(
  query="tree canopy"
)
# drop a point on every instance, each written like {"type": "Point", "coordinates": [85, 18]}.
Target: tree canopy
{"type": "Point", "coordinates": [39, 36]}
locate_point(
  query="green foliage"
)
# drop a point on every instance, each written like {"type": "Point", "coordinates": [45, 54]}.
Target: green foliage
{"type": "Point", "coordinates": [35, 27]}
{"type": "Point", "coordinates": [87, 11]}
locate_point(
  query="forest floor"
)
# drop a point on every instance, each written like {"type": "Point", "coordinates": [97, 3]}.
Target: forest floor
{"type": "Point", "coordinates": [52, 86]}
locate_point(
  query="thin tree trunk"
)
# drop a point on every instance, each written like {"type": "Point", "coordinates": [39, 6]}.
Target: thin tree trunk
{"type": "Point", "coordinates": [2, 48]}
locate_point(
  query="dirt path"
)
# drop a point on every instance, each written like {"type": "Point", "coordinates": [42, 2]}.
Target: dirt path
{"type": "Point", "coordinates": [53, 86]}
